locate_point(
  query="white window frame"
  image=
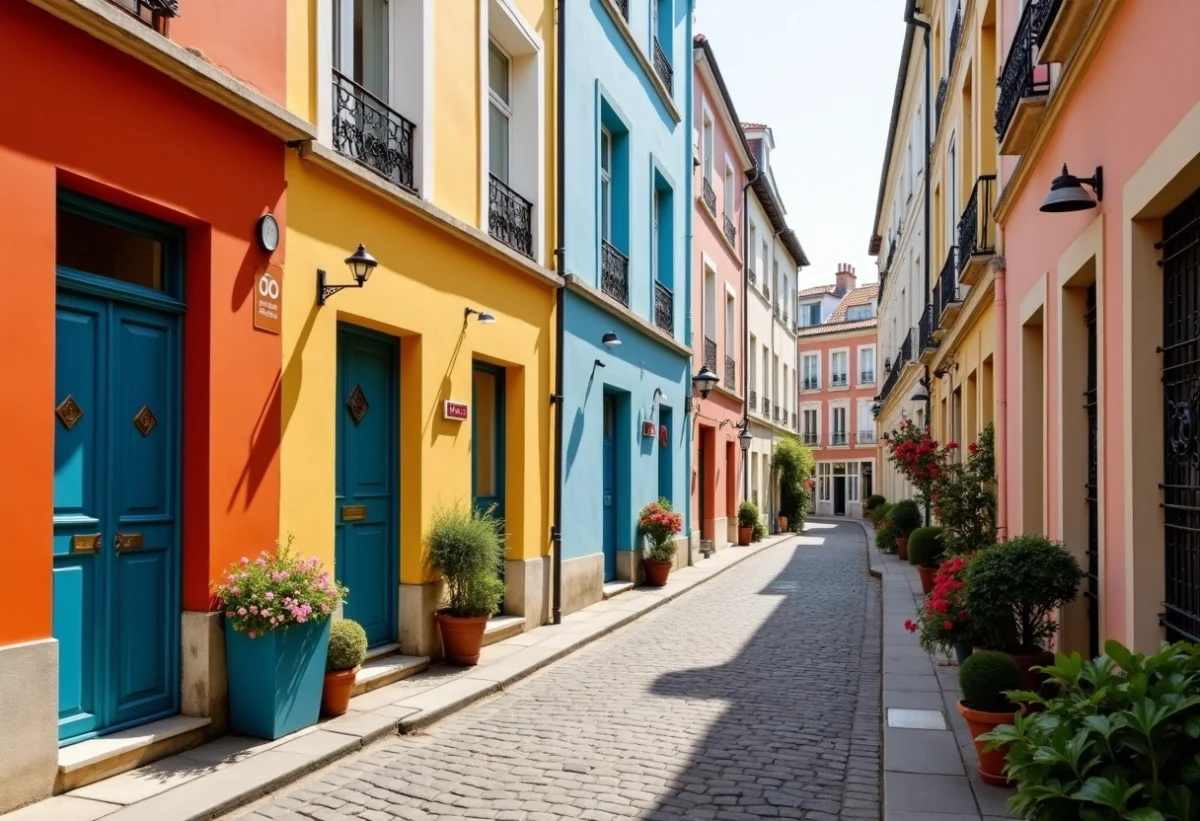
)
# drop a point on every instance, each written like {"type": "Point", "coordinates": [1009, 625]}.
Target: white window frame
{"type": "Point", "coordinates": [824, 481]}
{"type": "Point", "coordinates": [844, 406]}
{"type": "Point", "coordinates": [605, 184]}
{"type": "Point", "coordinates": [494, 99]}
{"type": "Point", "coordinates": [874, 365]}
{"type": "Point", "coordinates": [729, 184]}
{"type": "Point", "coordinates": [833, 352]}
{"type": "Point", "coordinates": [805, 358]}
{"type": "Point", "coordinates": [815, 409]}
{"type": "Point", "coordinates": [708, 144]}
{"type": "Point", "coordinates": [852, 477]}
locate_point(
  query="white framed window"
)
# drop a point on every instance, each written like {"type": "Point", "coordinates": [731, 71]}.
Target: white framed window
{"type": "Point", "coordinates": [852, 482]}
{"type": "Point", "coordinates": [809, 315]}
{"type": "Point", "coordinates": [810, 424]}
{"type": "Point", "coordinates": [838, 420]}
{"type": "Point", "coordinates": [824, 481]}
{"type": "Point", "coordinates": [839, 368]}
{"type": "Point", "coordinates": [811, 373]}
{"type": "Point", "coordinates": [606, 185]}
{"type": "Point", "coordinates": [708, 145]}
{"type": "Point", "coordinates": [499, 111]}
{"type": "Point", "coordinates": [866, 365]}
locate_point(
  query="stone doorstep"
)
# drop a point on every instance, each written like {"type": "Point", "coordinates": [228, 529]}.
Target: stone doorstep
{"type": "Point", "coordinates": [95, 759]}
{"type": "Point", "coordinates": [500, 628]}
{"type": "Point", "coordinates": [381, 671]}
{"type": "Point", "coordinates": [611, 589]}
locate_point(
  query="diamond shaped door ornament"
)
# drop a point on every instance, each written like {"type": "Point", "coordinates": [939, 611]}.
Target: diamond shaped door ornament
{"type": "Point", "coordinates": [145, 421]}
{"type": "Point", "coordinates": [68, 412]}
{"type": "Point", "coordinates": [357, 405]}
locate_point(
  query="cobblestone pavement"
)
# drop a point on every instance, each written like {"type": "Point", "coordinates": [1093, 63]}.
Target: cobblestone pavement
{"type": "Point", "coordinates": [755, 696]}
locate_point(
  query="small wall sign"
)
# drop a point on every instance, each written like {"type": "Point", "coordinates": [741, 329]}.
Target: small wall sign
{"type": "Point", "coordinates": [649, 429]}
{"type": "Point", "coordinates": [454, 411]}
{"type": "Point", "coordinates": [268, 294]}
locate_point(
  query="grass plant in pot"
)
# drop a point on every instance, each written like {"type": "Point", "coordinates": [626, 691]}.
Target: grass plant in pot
{"type": "Point", "coordinates": [347, 651]}
{"type": "Point", "coordinates": [747, 519]}
{"type": "Point", "coordinates": [465, 547]}
{"type": "Point", "coordinates": [985, 679]}
{"type": "Point", "coordinates": [660, 525]}
{"type": "Point", "coordinates": [925, 550]}
{"type": "Point", "coordinates": [1013, 591]}
{"type": "Point", "coordinates": [904, 517]}
{"type": "Point", "coordinates": [277, 610]}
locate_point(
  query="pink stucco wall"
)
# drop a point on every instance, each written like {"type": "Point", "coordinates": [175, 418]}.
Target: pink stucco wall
{"type": "Point", "coordinates": [823, 344]}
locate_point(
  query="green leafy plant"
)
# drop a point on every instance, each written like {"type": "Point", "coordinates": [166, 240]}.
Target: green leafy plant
{"type": "Point", "coordinates": [925, 548]}
{"type": "Point", "coordinates": [881, 513]}
{"type": "Point", "coordinates": [985, 678]}
{"type": "Point", "coordinates": [943, 620]}
{"type": "Point", "coordinates": [660, 524]}
{"type": "Point", "coordinates": [347, 645]}
{"type": "Point", "coordinates": [918, 457]}
{"type": "Point", "coordinates": [885, 538]}
{"type": "Point", "coordinates": [760, 532]}
{"type": "Point", "coordinates": [794, 463]}
{"type": "Point", "coordinates": [904, 517]}
{"type": "Point", "coordinates": [747, 514]}
{"type": "Point", "coordinates": [1120, 740]}
{"type": "Point", "coordinates": [465, 547]}
{"type": "Point", "coordinates": [1013, 590]}
{"type": "Point", "coordinates": [964, 501]}
{"type": "Point", "coordinates": [873, 501]}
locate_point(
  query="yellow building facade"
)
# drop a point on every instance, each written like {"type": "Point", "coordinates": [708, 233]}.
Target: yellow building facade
{"type": "Point", "coordinates": [427, 385]}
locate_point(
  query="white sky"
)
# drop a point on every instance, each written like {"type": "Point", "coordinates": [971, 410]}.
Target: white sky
{"type": "Point", "coordinates": [821, 74]}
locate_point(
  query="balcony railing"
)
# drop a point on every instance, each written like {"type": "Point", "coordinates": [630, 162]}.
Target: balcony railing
{"type": "Point", "coordinates": [794, 425]}
{"type": "Point", "coordinates": [154, 13]}
{"type": "Point", "coordinates": [753, 402]}
{"type": "Point", "coordinates": [955, 37]}
{"type": "Point", "coordinates": [710, 354]}
{"type": "Point", "coordinates": [623, 5]}
{"type": "Point", "coordinates": [730, 230]}
{"type": "Point", "coordinates": [370, 133]}
{"type": "Point", "coordinates": [775, 413]}
{"type": "Point", "coordinates": [866, 437]}
{"type": "Point", "coordinates": [775, 308]}
{"type": "Point", "coordinates": [866, 378]}
{"type": "Point", "coordinates": [811, 384]}
{"type": "Point", "coordinates": [730, 373]}
{"type": "Point", "coordinates": [710, 196]}
{"type": "Point", "coordinates": [925, 328]}
{"type": "Point", "coordinates": [903, 357]}
{"type": "Point", "coordinates": [766, 407]}
{"type": "Point", "coordinates": [975, 232]}
{"type": "Point", "coordinates": [947, 284]}
{"type": "Point", "coordinates": [614, 273]}
{"type": "Point", "coordinates": [839, 380]}
{"type": "Point", "coordinates": [751, 277]}
{"type": "Point", "coordinates": [810, 438]}
{"type": "Point", "coordinates": [1017, 80]}
{"type": "Point", "coordinates": [510, 217]}
{"type": "Point", "coordinates": [837, 439]}
{"type": "Point", "coordinates": [662, 67]}
{"type": "Point", "coordinates": [766, 290]}
{"type": "Point", "coordinates": [941, 103]}
{"type": "Point", "coordinates": [906, 349]}
{"type": "Point", "coordinates": [664, 308]}
{"type": "Point", "coordinates": [1047, 19]}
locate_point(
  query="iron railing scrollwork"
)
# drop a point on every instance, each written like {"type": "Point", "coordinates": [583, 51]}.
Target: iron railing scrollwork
{"type": "Point", "coordinates": [975, 232]}
{"type": "Point", "coordinates": [730, 230]}
{"type": "Point", "coordinates": [1052, 7]}
{"type": "Point", "coordinates": [614, 273]}
{"type": "Point", "coordinates": [955, 37]}
{"type": "Point", "coordinates": [510, 217]}
{"type": "Point", "coordinates": [710, 196]}
{"type": "Point", "coordinates": [730, 373]}
{"type": "Point", "coordinates": [710, 354]}
{"type": "Point", "coordinates": [839, 380]}
{"type": "Point", "coordinates": [775, 308]}
{"type": "Point", "coordinates": [925, 328]}
{"type": "Point", "coordinates": [623, 6]}
{"type": "Point", "coordinates": [751, 277]}
{"type": "Point", "coordinates": [943, 86]}
{"type": "Point", "coordinates": [775, 413]}
{"type": "Point", "coordinates": [664, 308]}
{"type": "Point", "coordinates": [1017, 80]}
{"type": "Point", "coordinates": [367, 131]}
{"type": "Point", "coordinates": [947, 285]}
{"type": "Point", "coordinates": [753, 402]}
{"type": "Point", "coordinates": [662, 67]}
{"type": "Point", "coordinates": [766, 290]}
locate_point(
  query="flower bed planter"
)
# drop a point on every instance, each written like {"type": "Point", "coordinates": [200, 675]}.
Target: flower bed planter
{"type": "Point", "coordinates": [656, 572]}
{"type": "Point", "coordinates": [276, 679]}
{"type": "Point", "coordinates": [462, 638]}
{"type": "Point", "coordinates": [744, 535]}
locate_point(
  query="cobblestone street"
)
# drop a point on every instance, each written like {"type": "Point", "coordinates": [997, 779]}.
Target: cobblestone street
{"type": "Point", "coordinates": [754, 696]}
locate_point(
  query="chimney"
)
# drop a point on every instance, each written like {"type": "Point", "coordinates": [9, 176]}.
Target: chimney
{"type": "Point", "coordinates": [845, 279]}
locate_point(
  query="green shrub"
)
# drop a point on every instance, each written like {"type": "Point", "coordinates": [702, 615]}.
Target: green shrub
{"type": "Point", "coordinates": [925, 547]}
{"type": "Point", "coordinates": [985, 677]}
{"type": "Point", "coordinates": [1119, 740]}
{"type": "Point", "coordinates": [885, 539]}
{"type": "Point", "coordinates": [760, 532]}
{"type": "Point", "coordinates": [873, 501]}
{"type": "Point", "coordinates": [347, 645]}
{"type": "Point", "coordinates": [747, 514]}
{"type": "Point", "coordinates": [905, 517]}
{"type": "Point", "coordinates": [881, 513]}
{"type": "Point", "coordinates": [466, 547]}
{"type": "Point", "coordinates": [794, 464]}
{"type": "Point", "coordinates": [1014, 589]}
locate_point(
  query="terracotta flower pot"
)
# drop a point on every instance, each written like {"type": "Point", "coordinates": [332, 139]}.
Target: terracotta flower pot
{"type": "Point", "coordinates": [656, 572]}
{"type": "Point", "coordinates": [462, 638]}
{"type": "Point", "coordinates": [1030, 679]}
{"type": "Point", "coordinates": [902, 547]}
{"type": "Point", "coordinates": [991, 764]}
{"type": "Point", "coordinates": [926, 574]}
{"type": "Point", "coordinates": [783, 524]}
{"type": "Point", "coordinates": [744, 534]}
{"type": "Point", "coordinates": [335, 697]}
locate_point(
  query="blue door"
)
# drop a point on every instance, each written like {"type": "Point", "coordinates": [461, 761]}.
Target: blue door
{"type": "Point", "coordinates": [367, 481]}
{"type": "Point", "coordinates": [610, 490]}
{"type": "Point", "coordinates": [116, 479]}
{"type": "Point", "coordinates": [487, 441]}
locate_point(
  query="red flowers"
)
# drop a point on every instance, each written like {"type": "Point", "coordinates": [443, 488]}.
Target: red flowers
{"type": "Point", "coordinates": [910, 625]}
{"type": "Point", "coordinates": [943, 618]}
{"type": "Point", "coordinates": [973, 448]}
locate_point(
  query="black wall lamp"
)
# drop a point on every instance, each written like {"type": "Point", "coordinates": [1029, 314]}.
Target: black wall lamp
{"type": "Point", "coordinates": [482, 317]}
{"type": "Point", "coordinates": [705, 380]}
{"type": "Point", "coordinates": [1067, 194]}
{"type": "Point", "coordinates": [360, 263]}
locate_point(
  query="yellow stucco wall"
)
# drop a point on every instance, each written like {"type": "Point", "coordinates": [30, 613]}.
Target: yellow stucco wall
{"type": "Point", "coordinates": [969, 346]}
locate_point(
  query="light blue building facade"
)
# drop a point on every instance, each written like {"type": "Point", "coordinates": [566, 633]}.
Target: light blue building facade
{"type": "Point", "coordinates": [627, 214]}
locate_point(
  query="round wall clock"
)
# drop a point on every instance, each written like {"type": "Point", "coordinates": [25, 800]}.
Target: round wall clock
{"type": "Point", "coordinates": [267, 233]}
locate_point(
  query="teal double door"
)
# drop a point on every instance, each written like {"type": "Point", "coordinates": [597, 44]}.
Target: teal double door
{"type": "Point", "coordinates": [488, 441]}
{"type": "Point", "coordinates": [367, 545]}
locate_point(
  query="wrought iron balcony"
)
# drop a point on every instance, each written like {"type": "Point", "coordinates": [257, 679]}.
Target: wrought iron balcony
{"type": "Point", "coordinates": [614, 273]}
{"type": "Point", "coordinates": [906, 349]}
{"type": "Point", "coordinates": [766, 290]}
{"type": "Point", "coordinates": [866, 378]}
{"type": "Point", "coordinates": [710, 196]}
{"type": "Point", "coordinates": [866, 437]}
{"type": "Point", "coordinates": [623, 5]}
{"type": "Point", "coordinates": [664, 308]}
{"type": "Point", "coordinates": [947, 291]}
{"type": "Point", "coordinates": [976, 234]}
{"type": "Point", "coordinates": [926, 328]}
{"type": "Point", "coordinates": [751, 277]}
{"type": "Point", "coordinates": [730, 230]}
{"type": "Point", "coordinates": [766, 407]}
{"type": "Point", "coordinates": [710, 354]}
{"type": "Point", "coordinates": [839, 380]}
{"type": "Point", "coordinates": [510, 217]}
{"type": "Point", "coordinates": [154, 13]}
{"type": "Point", "coordinates": [810, 438]}
{"type": "Point", "coordinates": [943, 87]}
{"type": "Point", "coordinates": [662, 67]}
{"type": "Point", "coordinates": [730, 373]}
{"type": "Point", "coordinates": [838, 439]}
{"type": "Point", "coordinates": [753, 402]}
{"type": "Point", "coordinates": [1018, 80]}
{"type": "Point", "coordinates": [891, 254]}
{"type": "Point", "coordinates": [794, 425]}
{"type": "Point", "coordinates": [811, 383]}
{"type": "Point", "coordinates": [370, 133]}
{"type": "Point", "coordinates": [955, 37]}
{"type": "Point", "coordinates": [775, 413]}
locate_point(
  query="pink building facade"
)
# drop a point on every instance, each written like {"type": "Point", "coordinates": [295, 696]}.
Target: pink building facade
{"type": "Point", "coordinates": [1097, 300]}
{"type": "Point", "coordinates": [837, 381]}
{"type": "Point", "coordinates": [718, 299]}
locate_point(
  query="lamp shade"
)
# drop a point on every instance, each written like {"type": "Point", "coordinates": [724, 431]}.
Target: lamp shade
{"type": "Point", "coordinates": [744, 439]}
{"type": "Point", "coordinates": [705, 380]}
{"type": "Point", "coordinates": [1067, 194]}
{"type": "Point", "coordinates": [610, 340]}
{"type": "Point", "coordinates": [920, 394]}
{"type": "Point", "coordinates": [361, 264]}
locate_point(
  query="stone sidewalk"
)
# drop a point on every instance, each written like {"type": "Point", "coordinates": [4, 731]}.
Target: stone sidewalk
{"type": "Point", "coordinates": [230, 772]}
{"type": "Point", "coordinates": [929, 761]}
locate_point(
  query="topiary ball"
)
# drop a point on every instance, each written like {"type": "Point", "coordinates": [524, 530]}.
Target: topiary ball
{"type": "Point", "coordinates": [983, 679]}
{"type": "Point", "coordinates": [347, 645]}
{"type": "Point", "coordinates": [925, 546]}
{"type": "Point", "coordinates": [905, 516]}
{"type": "Point", "coordinates": [873, 501]}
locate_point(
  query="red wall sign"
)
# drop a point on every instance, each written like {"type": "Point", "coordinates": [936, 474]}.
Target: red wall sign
{"type": "Point", "coordinates": [454, 411]}
{"type": "Point", "coordinates": [648, 429]}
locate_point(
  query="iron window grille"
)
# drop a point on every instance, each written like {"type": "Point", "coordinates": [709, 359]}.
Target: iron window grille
{"type": "Point", "coordinates": [751, 277]}
{"type": "Point", "coordinates": [710, 354]}
{"type": "Point", "coordinates": [662, 66]}
{"type": "Point", "coordinates": [811, 383]}
{"type": "Point", "coordinates": [837, 439]}
{"type": "Point", "coordinates": [766, 290]}
{"type": "Point", "coordinates": [753, 401]}
{"type": "Point", "coordinates": [839, 380]}
{"type": "Point", "coordinates": [866, 378]}
{"type": "Point", "coordinates": [664, 308]}
{"type": "Point", "coordinates": [510, 217]}
{"type": "Point", "coordinates": [975, 233]}
{"type": "Point", "coordinates": [730, 230]}
{"type": "Point", "coordinates": [766, 411]}
{"type": "Point", "coordinates": [614, 273]}
{"type": "Point", "coordinates": [730, 373]}
{"type": "Point", "coordinates": [710, 196]}
{"type": "Point", "coordinates": [369, 132]}
{"type": "Point", "coordinates": [1017, 80]}
{"type": "Point", "coordinates": [775, 413]}
{"type": "Point", "coordinates": [775, 308]}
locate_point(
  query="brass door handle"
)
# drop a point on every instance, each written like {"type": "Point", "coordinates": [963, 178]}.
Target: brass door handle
{"type": "Point", "coordinates": [129, 541]}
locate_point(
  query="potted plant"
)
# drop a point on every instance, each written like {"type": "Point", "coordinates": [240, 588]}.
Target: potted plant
{"type": "Point", "coordinates": [873, 501]}
{"type": "Point", "coordinates": [465, 547]}
{"type": "Point", "coordinates": [943, 620]}
{"type": "Point", "coordinates": [660, 525]}
{"type": "Point", "coordinates": [905, 517]}
{"type": "Point", "coordinates": [347, 651]}
{"type": "Point", "coordinates": [1013, 591]}
{"type": "Point", "coordinates": [760, 531]}
{"type": "Point", "coordinates": [879, 515]}
{"type": "Point", "coordinates": [985, 680]}
{"type": "Point", "coordinates": [963, 499]}
{"type": "Point", "coordinates": [747, 518]}
{"type": "Point", "coordinates": [277, 609]}
{"type": "Point", "coordinates": [1123, 719]}
{"type": "Point", "coordinates": [925, 550]}
{"type": "Point", "coordinates": [885, 538]}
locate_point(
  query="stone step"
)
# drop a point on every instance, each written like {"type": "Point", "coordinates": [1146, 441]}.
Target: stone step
{"type": "Point", "coordinates": [381, 670]}
{"type": "Point", "coordinates": [616, 588]}
{"type": "Point", "coordinates": [98, 758]}
{"type": "Point", "coordinates": [500, 628]}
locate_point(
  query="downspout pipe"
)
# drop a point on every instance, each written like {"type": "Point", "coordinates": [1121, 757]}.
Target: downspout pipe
{"type": "Point", "coordinates": [560, 264]}
{"type": "Point", "coordinates": [910, 17]}
{"type": "Point", "coordinates": [746, 352]}
{"type": "Point", "coordinates": [1001, 375]}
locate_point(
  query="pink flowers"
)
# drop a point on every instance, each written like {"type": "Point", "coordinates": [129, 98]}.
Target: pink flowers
{"type": "Point", "coordinates": [269, 596]}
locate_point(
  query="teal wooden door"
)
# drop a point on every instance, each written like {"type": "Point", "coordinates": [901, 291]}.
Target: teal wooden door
{"type": "Point", "coordinates": [487, 442]}
{"type": "Point", "coordinates": [116, 513]}
{"type": "Point", "coordinates": [609, 490]}
{"type": "Point", "coordinates": [366, 548]}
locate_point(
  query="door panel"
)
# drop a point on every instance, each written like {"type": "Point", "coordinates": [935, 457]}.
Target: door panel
{"type": "Point", "coordinates": [488, 444]}
{"type": "Point", "coordinates": [609, 491]}
{"type": "Point", "coordinates": [367, 482]}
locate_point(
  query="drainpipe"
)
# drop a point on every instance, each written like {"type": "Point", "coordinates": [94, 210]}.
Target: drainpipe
{"type": "Point", "coordinates": [775, 407]}
{"type": "Point", "coordinates": [746, 352]}
{"type": "Point", "coordinates": [688, 212]}
{"type": "Point", "coordinates": [1001, 302]}
{"type": "Point", "coordinates": [911, 18]}
{"type": "Point", "coordinates": [560, 263]}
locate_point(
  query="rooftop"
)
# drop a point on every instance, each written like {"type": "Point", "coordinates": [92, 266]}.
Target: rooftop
{"type": "Point", "coordinates": [837, 323]}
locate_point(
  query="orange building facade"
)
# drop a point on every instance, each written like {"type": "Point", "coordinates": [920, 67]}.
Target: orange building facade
{"type": "Point", "coordinates": [140, 354]}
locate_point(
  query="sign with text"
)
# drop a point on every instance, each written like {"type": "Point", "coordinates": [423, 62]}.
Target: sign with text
{"type": "Point", "coordinates": [454, 411]}
{"type": "Point", "coordinates": [648, 429]}
{"type": "Point", "coordinates": [268, 302]}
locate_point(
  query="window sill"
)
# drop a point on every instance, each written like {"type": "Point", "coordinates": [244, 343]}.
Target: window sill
{"type": "Point", "coordinates": [647, 68]}
{"type": "Point", "coordinates": [839, 387]}
{"type": "Point", "coordinates": [118, 29]}
{"type": "Point", "coordinates": [578, 286]}
{"type": "Point", "coordinates": [718, 229]}
{"type": "Point", "coordinates": [724, 391]}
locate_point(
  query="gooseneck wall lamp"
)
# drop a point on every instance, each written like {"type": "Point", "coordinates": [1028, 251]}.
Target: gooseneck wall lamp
{"type": "Point", "coordinates": [360, 263]}
{"type": "Point", "coordinates": [482, 317]}
{"type": "Point", "coordinates": [704, 381]}
{"type": "Point", "coordinates": [1067, 194]}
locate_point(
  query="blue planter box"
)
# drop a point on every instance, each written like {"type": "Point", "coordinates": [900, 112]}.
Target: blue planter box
{"type": "Point", "coordinates": [275, 680]}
